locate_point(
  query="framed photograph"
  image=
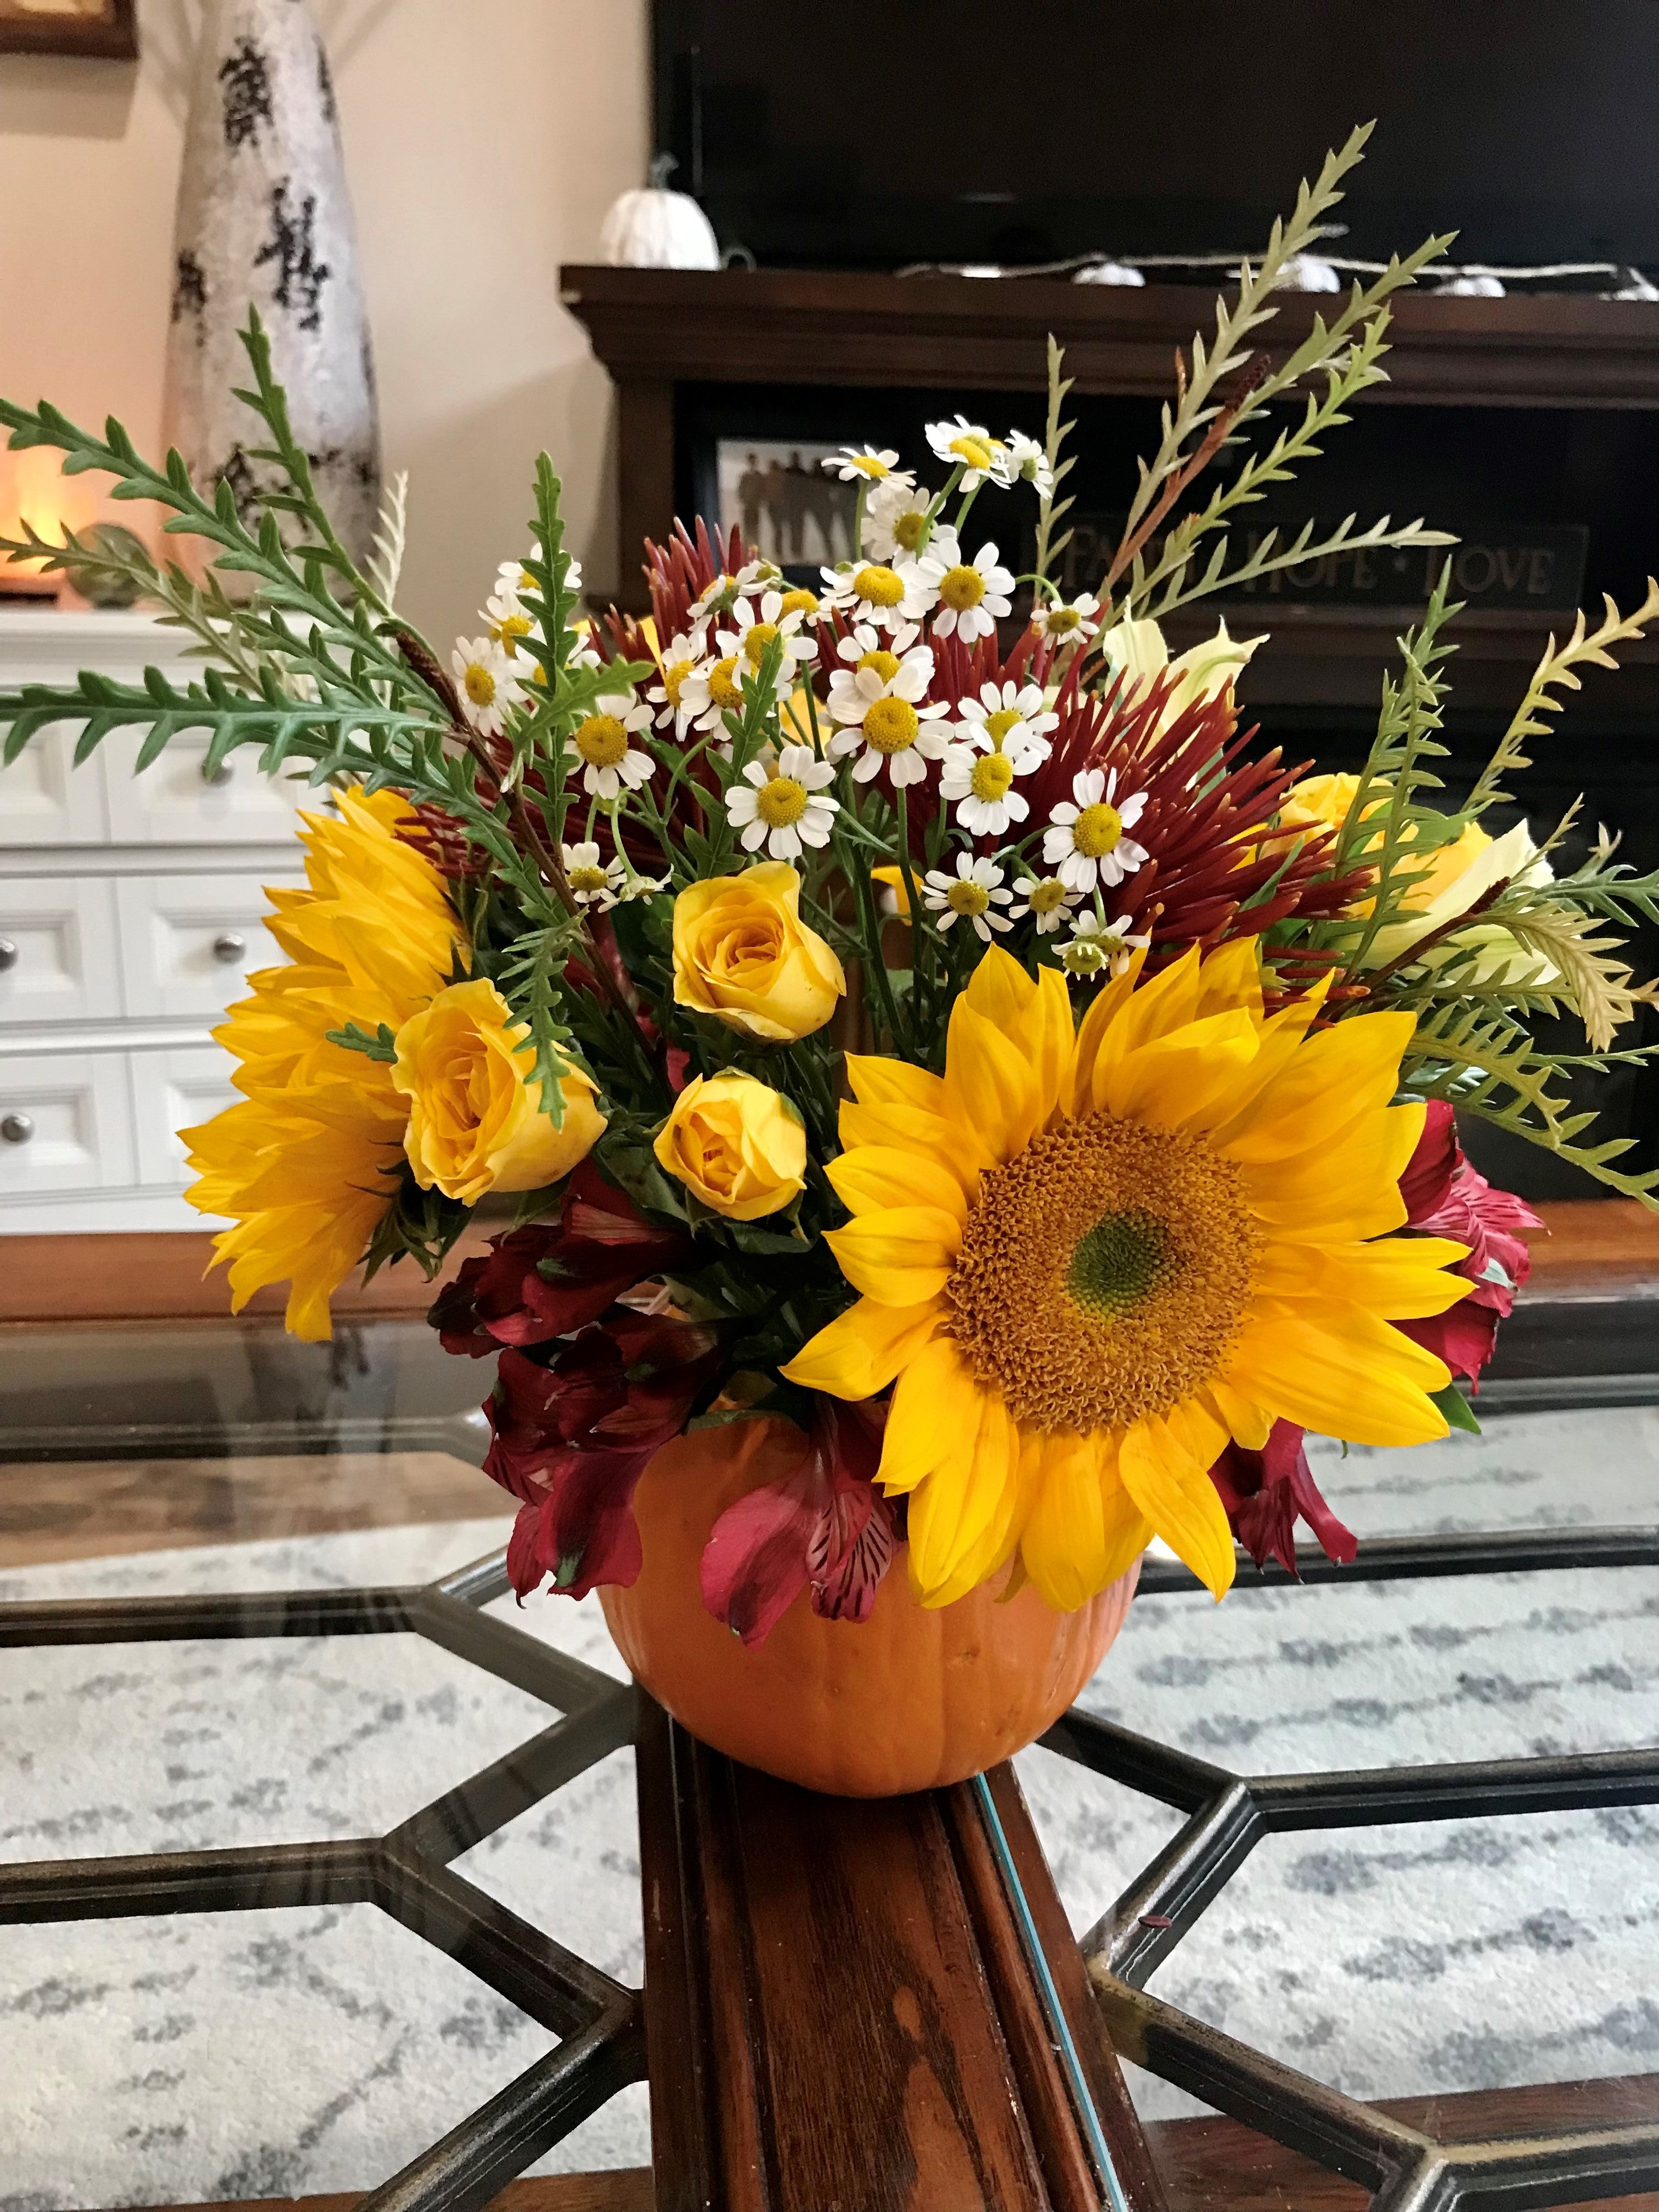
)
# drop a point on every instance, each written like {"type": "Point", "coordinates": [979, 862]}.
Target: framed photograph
{"type": "Point", "coordinates": [69, 26]}
{"type": "Point", "coordinates": [778, 494]}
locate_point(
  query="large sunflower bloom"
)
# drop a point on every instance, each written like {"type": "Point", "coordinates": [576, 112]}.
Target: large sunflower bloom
{"type": "Point", "coordinates": [306, 1162]}
{"type": "Point", "coordinates": [1088, 1259]}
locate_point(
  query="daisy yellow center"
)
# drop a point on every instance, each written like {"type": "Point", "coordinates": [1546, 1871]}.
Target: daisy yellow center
{"type": "Point", "coordinates": [479, 684]}
{"type": "Point", "coordinates": [723, 684]}
{"type": "Point", "coordinates": [1062, 620]}
{"type": "Point", "coordinates": [1096, 831]}
{"type": "Point", "coordinates": [907, 530]}
{"type": "Point", "coordinates": [878, 586]}
{"type": "Point", "coordinates": [800, 603]}
{"type": "Point", "coordinates": [891, 725]}
{"type": "Point", "coordinates": [993, 774]}
{"type": "Point", "coordinates": [885, 664]}
{"type": "Point", "coordinates": [761, 635]}
{"type": "Point", "coordinates": [1043, 898]}
{"type": "Point", "coordinates": [602, 741]}
{"type": "Point", "coordinates": [1103, 1273]}
{"type": "Point", "coordinates": [589, 880]}
{"type": "Point", "coordinates": [781, 802]}
{"type": "Point", "coordinates": [967, 897]}
{"type": "Point", "coordinates": [869, 464]}
{"type": "Point", "coordinates": [510, 628]}
{"type": "Point", "coordinates": [962, 588]}
{"type": "Point", "coordinates": [975, 452]}
{"type": "Point", "coordinates": [998, 725]}
{"type": "Point", "coordinates": [673, 679]}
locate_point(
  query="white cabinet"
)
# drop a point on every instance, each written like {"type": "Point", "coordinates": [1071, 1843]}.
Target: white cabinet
{"type": "Point", "coordinates": [45, 800]}
{"type": "Point", "coordinates": [187, 941]}
{"type": "Point", "coordinates": [59, 960]}
{"type": "Point", "coordinates": [65, 1124]}
{"type": "Point", "coordinates": [132, 908]}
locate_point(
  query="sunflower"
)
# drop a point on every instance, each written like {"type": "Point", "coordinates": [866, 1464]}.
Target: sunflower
{"type": "Point", "coordinates": [306, 1162]}
{"type": "Point", "coordinates": [1090, 1259]}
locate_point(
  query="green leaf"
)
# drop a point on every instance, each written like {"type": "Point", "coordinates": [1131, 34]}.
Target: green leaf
{"type": "Point", "coordinates": [382, 1046]}
{"type": "Point", "coordinates": [1456, 1408]}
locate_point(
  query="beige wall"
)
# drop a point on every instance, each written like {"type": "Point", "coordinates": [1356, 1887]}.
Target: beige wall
{"type": "Point", "coordinates": [484, 140]}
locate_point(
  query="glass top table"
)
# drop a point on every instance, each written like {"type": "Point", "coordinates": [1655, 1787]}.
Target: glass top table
{"type": "Point", "coordinates": [324, 1866]}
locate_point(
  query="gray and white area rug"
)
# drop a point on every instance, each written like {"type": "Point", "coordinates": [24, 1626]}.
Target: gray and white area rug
{"type": "Point", "coordinates": [304, 2051]}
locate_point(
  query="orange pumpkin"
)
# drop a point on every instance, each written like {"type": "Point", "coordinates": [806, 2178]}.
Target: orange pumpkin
{"type": "Point", "coordinates": [908, 1700]}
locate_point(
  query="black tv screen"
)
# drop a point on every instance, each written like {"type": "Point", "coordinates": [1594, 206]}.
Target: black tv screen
{"type": "Point", "coordinates": [968, 130]}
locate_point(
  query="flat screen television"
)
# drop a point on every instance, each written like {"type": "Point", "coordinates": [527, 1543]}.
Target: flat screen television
{"type": "Point", "coordinates": [969, 131]}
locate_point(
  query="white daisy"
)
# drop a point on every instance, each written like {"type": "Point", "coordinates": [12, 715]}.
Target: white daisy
{"type": "Point", "coordinates": [600, 747]}
{"type": "Point", "coordinates": [593, 882]}
{"type": "Point", "coordinates": [711, 692]}
{"type": "Point", "coordinates": [1087, 840]}
{"type": "Point", "coordinates": [1011, 717]}
{"type": "Point", "coordinates": [509, 621]}
{"type": "Point", "coordinates": [720, 597]}
{"type": "Point", "coordinates": [488, 687]}
{"type": "Point", "coordinates": [975, 891]}
{"type": "Point", "coordinates": [781, 804]}
{"type": "Point", "coordinates": [971, 594]}
{"type": "Point", "coordinates": [1067, 622]}
{"type": "Point", "coordinates": [853, 462]}
{"type": "Point", "coordinates": [751, 632]}
{"type": "Point", "coordinates": [983, 458]}
{"type": "Point", "coordinates": [644, 887]}
{"type": "Point", "coordinates": [1099, 948]}
{"type": "Point", "coordinates": [667, 695]}
{"type": "Point", "coordinates": [1046, 900]}
{"type": "Point", "coordinates": [893, 517]}
{"type": "Point", "coordinates": [877, 702]}
{"type": "Point", "coordinates": [875, 592]}
{"type": "Point", "coordinates": [1028, 463]}
{"type": "Point", "coordinates": [980, 785]}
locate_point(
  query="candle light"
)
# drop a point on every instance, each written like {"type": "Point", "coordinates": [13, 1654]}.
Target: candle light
{"type": "Point", "coordinates": [36, 492]}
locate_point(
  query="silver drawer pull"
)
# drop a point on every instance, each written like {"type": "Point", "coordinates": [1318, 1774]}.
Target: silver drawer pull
{"type": "Point", "coordinates": [7, 956]}
{"type": "Point", "coordinates": [230, 947]}
{"type": "Point", "coordinates": [16, 1128]}
{"type": "Point", "coordinates": [218, 777]}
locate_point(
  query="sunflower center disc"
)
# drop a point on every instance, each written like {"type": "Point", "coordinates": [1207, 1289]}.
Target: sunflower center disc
{"type": "Point", "coordinates": [1103, 1273]}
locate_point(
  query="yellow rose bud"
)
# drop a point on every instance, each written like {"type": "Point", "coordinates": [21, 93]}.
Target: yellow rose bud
{"type": "Point", "coordinates": [476, 1123]}
{"type": "Point", "coordinates": [743, 953]}
{"type": "Point", "coordinates": [737, 1144]}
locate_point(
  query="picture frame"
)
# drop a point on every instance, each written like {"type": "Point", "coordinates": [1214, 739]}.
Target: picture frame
{"type": "Point", "coordinates": [106, 29]}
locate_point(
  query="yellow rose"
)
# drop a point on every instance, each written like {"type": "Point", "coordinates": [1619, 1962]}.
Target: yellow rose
{"type": "Point", "coordinates": [476, 1123]}
{"type": "Point", "coordinates": [736, 1144]}
{"type": "Point", "coordinates": [743, 953]}
{"type": "Point", "coordinates": [1139, 650]}
{"type": "Point", "coordinates": [1321, 802]}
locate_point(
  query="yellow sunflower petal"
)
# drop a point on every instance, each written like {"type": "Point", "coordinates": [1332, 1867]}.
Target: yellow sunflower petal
{"type": "Point", "coordinates": [1232, 977]}
{"type": "Point", "coordinates": [1046, 1038]}
{"type": "Point", "coordinates": [1077, 1093]}
{"type": "Point", "coordinates": [878, 1177]}
{"type": "Point", "coordinates": [910, 1129]}
{"type": "Point", "coordinates": [990, 1084]}
{"type": "Point", "coordinates": [878, 1081]}
{"type": "Point", "coordinates": [1344, 1192]}
{"type": "Point", "coordinates": [900, 1257]}
{"type": "Point", "coordinates": [959, 1506]}
{"type": "Point", "coordinates": [1175, 1081]}
{"type": "Point", "coordinates": [935, 1404]}
{"type": "Point", "coordinates": [1399, 1278]}
{"type": "Point", "coordinates": [1176, 1495]}
{"type": "Point", "coordinates": [1344, 1071]}
{"type": "Point", "coordinates": [998, 1540]}
{"type": "Point", "coordinates": [862, 1350]}
{"type": "Point", "coordinates": [1341, 1373]}
{"type": "Point", "coordinates": [1000, 990]}
{"type": "Point", "coordinates": [1083, 1529]}
{"type": "Point", "coordinates": [1247, 1424]}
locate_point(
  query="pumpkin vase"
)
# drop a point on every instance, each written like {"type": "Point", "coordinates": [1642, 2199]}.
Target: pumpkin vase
{"type": "Point", "coordinates": [912, 1698]}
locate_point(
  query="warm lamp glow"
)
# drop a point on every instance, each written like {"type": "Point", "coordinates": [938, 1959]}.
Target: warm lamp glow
{"type": "Point", "coordinates": [34, 490]}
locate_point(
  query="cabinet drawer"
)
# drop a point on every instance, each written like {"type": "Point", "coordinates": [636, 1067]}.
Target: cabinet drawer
{"type": "Point", "coordinates": [65, 1124]}
{"type": "Point", "coordinates": [173, 804]}
{"type": "Point", "coordinates": [45, 800]}
{"type": "Point", "coordinates": [175, 1091]}
{"type": "Point", "coordinates": [59, 959]}
{"type": "Point", "coordinates": [187, 941]}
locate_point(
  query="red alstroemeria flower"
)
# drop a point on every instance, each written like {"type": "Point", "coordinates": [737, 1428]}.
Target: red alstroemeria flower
{"type": "Point", "coordinates": [826, 1527]}
{"type": "Point", "coordinates": [547, 1281]}
{"type": "Point", "coordinates": [570, 1439]}
{"type": "Point", "coordinates": [1264, 1492]}
{"type": "Point", "coordinates": [1445, 1196]}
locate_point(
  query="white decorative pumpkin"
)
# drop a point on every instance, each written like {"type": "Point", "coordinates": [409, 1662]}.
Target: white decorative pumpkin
{"type": "Point", "coordinates": [655, 228]}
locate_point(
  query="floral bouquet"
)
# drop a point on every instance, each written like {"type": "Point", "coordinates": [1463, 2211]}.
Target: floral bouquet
{"type": "Point", "coordinates": [952, 1109]}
